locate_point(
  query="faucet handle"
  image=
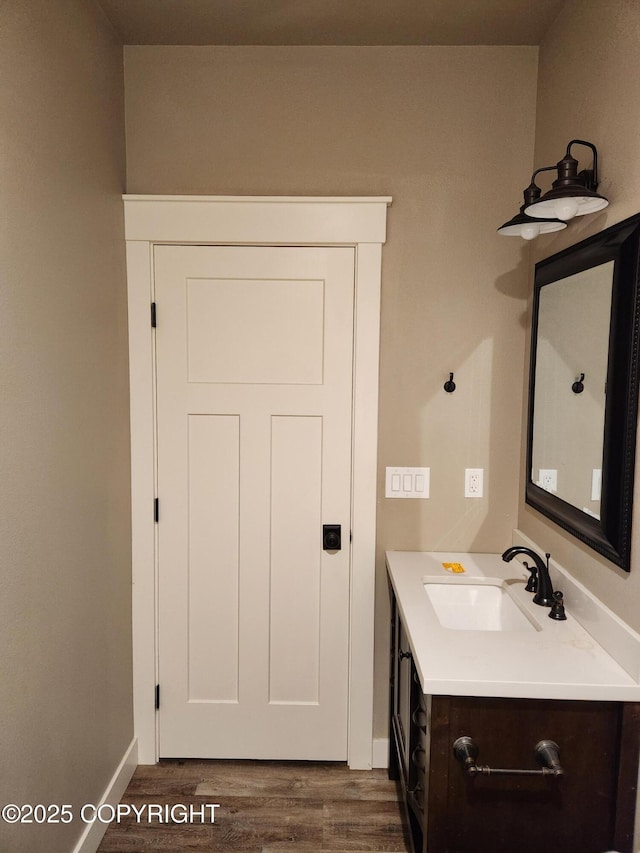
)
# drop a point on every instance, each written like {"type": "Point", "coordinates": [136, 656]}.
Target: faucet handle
{"type": "Point", "coordinates": [557, 608]}
{"type": "Point", "coordinates": [532, 583]}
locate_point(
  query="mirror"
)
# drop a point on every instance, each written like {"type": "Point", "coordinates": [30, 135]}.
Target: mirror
{"type": "Point", "coordinates": [583, 389]}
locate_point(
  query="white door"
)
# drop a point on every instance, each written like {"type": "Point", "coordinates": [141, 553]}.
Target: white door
{"type": "Point", "coordinates": [254, 397]}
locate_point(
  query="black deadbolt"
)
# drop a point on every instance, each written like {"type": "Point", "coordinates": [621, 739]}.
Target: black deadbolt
{"type": "Point", "coordinates": [331, 537]}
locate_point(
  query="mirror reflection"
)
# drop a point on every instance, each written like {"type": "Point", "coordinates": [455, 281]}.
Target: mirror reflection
{"type": "Point", "coordinates": [570, 386]}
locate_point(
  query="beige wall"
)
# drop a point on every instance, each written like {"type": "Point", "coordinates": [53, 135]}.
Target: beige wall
{"type": "Point", "coordinates": [449, 133]}
{"type": "Point", "coordinates": [65, 632]}
{"type": "Point", "coordinates": [588, 89]}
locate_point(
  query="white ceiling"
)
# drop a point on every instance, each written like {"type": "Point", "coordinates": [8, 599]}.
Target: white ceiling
{"type": "Point", "coordinates": [348, 22]}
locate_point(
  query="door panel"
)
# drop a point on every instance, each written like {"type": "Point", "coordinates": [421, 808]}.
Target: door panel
{"type": "Point", "coordinates": [214, 465]}
{"type": "Point", "coordinates": [294, 636]}
{"type": "Point", "coordinates": [254, 397]}
{"type": "Point", "coordinates": [255, 331]}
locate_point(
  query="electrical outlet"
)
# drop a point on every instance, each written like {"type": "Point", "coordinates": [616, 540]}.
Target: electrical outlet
{"type": "Point", "coordinates": [473, 482]}
{"type": "Point", "coordinates": [548, 479]}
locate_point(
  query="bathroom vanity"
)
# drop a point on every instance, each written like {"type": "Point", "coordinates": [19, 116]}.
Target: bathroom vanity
{"type": "Point", "coordinates": [473, 658]}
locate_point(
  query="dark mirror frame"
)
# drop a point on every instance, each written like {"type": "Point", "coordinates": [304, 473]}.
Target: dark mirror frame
{"type": "Point", "coordinates": [611, 534]}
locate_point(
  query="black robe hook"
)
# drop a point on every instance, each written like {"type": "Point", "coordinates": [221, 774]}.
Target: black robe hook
{"type": "Point", "coordinates": [578, 385]}
{"type": "Point", "coordinates": [450, 385]}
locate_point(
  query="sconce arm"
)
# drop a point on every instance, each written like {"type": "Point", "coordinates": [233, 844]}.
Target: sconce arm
{"type": "Point", "coordinates": [533, 192]}
{"type": "Point", "coordinates": [542, 169]}
{"type": "Point", "coordinates": [590, 175]}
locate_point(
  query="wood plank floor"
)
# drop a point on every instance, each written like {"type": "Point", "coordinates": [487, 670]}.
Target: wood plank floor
{"type": "Point", "coordinates": [264, 807]}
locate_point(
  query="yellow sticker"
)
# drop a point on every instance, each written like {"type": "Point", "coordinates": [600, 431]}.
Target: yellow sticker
{"type": "Point", "coordinates": [456, 568]}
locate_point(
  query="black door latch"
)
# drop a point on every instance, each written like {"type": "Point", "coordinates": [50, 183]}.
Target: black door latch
{"type": "Point", "coordinates": [331, 537]}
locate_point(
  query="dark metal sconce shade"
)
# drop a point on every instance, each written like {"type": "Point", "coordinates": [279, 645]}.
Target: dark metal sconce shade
{"type": "Point", "coordinates": [528, 227]}
{"type": "Point", "coordinates": [573, 193]}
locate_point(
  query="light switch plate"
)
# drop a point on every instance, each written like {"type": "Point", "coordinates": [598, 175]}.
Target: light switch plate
{"type": "Point", "coordinates": [407, 482]}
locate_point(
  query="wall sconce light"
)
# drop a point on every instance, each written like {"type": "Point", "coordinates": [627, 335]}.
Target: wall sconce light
{"type": "Point", "coordinates": [572, 194]}
{"type": "Point", "coordinates": [526, 226]}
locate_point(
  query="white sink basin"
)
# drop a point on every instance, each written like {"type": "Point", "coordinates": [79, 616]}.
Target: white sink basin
{"type": "Point", "coordinates": [476, 607]}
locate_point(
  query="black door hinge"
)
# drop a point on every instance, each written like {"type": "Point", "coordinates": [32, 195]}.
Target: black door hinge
{"type": "Point", "coordinates": [157, 697]}
{"type": "Point", "coordinates": [153, 315]}
{"type": "Point", "coordinates": [156, 510]}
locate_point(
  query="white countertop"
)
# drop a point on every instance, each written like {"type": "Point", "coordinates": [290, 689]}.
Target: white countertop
{"type": "Point", "coordinates": [558, 660]}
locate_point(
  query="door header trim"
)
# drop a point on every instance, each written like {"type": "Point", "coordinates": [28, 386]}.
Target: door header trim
{"type": "Point", "coordinates": [269, 220]}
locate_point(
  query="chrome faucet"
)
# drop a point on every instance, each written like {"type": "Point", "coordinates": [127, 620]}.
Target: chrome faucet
{"type": "Point", "coordinates": [544, 595]}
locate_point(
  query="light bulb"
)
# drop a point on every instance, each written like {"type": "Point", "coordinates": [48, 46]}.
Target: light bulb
{"type": "Point", "coordinates": [530, 231]}
{"type": "Point", "coordinates": [566, 208]}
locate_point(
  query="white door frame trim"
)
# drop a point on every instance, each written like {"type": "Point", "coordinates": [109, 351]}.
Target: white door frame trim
{"type": "Point", "coordinates": [215, 220]}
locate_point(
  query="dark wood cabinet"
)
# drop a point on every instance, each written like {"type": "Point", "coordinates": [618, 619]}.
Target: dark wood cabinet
{"type": "Point", "coordinates": [589, 809]}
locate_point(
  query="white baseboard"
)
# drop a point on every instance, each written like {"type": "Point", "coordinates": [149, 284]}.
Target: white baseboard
{"type": "Point", "coordinates": [94, 832]}
{"type": "Point", "coordinates": [380, 752]}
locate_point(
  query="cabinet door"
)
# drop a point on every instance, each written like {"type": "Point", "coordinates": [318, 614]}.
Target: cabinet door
{"type": "Point", "coordinates": [404, 695]}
